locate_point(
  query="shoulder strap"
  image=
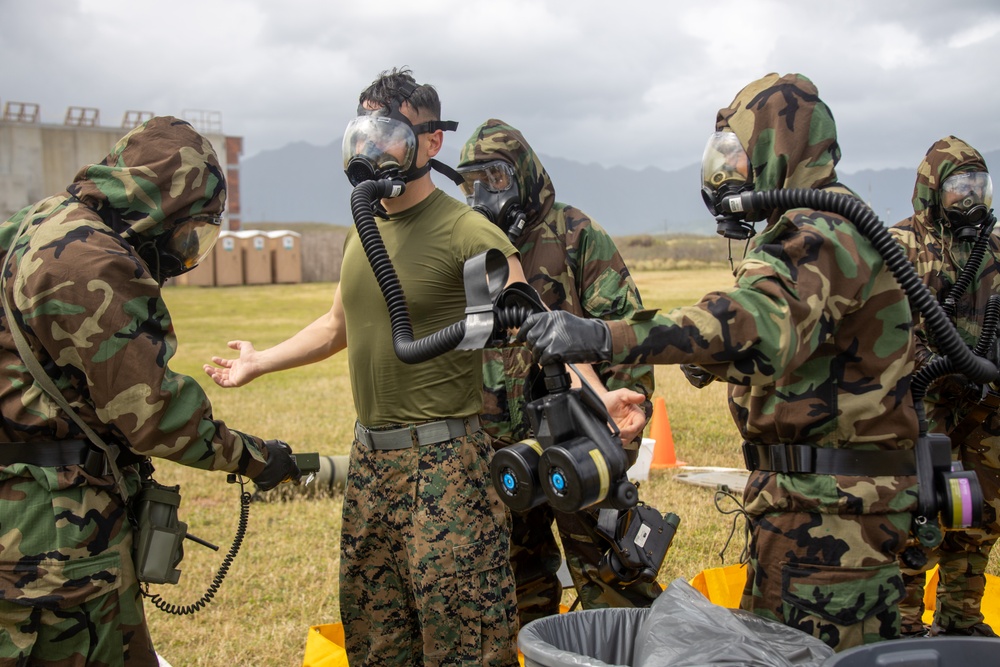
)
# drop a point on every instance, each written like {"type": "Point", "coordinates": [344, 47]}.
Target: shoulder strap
{"type": "Point", "coordinates": [42, 378]}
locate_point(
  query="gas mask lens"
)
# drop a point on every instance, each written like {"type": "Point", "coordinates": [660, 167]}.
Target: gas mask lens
{"type": "Point", "coordinates": [376, 144]}
{"type": "Point", "coordinates": [966, 198]}
{"type": "Point", "coordinates": [192, 240]}
{"type": "Point", "coordinates": [496, 176]}
{"type": "Point", "coordinates": [725, 171]}
{"type": "Point", "coordinates": [724, 161]}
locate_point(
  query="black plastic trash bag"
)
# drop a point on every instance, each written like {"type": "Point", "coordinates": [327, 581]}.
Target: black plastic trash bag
{"type": "Point", "coordinates": [684, 629]}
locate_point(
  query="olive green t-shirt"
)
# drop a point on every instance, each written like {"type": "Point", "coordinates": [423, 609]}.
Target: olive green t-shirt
{"type": "Point", "coordinates": [428, 245]}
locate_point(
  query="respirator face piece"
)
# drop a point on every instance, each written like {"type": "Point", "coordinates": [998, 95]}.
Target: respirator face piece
{"type": "Point", "coordinates": [191, 241]}
{"type": "Point", "coordinates": [181, 249]}
{"type": "Point", "coordinates": [966, 198]}
{"type": "Point", "coordinates": [491, 189]}
{"type": "Point", "coordinates": [725, 171]}
{"type": "Point", "coordinates": [378, 145]}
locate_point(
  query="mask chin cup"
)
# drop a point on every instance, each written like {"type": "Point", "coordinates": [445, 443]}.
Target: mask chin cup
{"type": "Point", "coordinates": [502, 208]}
{"type": "Point", "coordinates": [965, 225]}
{"type": "Point", "coordinates": [731, 227]}
{"type": "Point", "coordinates": [728, 225]}
{"type": "Point", "coordinates": [360, 169]}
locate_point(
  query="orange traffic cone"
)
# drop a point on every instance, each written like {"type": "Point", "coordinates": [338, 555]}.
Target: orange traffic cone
{"type": "Point", "coordinates": [659, 430]}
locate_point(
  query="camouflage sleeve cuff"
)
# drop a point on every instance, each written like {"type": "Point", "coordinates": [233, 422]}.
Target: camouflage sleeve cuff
{"type": "Point", "coordinates": [253, 458]}
{"type": "Point", "coordinates": [622, 339]}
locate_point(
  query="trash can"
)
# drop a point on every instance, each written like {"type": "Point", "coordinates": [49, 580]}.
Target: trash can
{"type": "Point", "coordinates": [921, 652]}
{"type": "Point", "coordinates": [682, 627]}
{"type": "Point", "coordinates": [591, 638]}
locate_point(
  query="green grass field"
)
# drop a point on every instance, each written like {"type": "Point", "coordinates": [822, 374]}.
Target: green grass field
{"type": "Point", "coordinates": [285, 577]}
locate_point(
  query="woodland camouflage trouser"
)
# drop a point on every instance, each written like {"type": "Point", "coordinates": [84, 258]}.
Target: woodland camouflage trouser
{"type": "Point", "coordinates": [425, 574]}
{"type": "Point", "coordinates": [68, 591]}
{"type": "Point", "coordinates": [833, 577]}
{"type": "Point", "coordinates": [108, 631]}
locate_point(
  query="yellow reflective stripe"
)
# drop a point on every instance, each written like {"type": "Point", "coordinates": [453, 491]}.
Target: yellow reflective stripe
{"type": "Point", "coordinates": [603, 474]}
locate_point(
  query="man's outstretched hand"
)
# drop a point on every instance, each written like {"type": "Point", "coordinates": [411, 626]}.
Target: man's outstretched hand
{"type": "Point", "coordinates": [229, 373]}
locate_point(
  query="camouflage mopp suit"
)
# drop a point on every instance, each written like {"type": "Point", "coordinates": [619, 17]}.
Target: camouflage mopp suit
{"type": "Point", "coordinates": [954, 405]}
{"type": "Point", "coordinates": [94, 318]}
{"type": "Point", "coordinates": [815, 340]}
{"type": "Point", "coordinates": [574, 265]}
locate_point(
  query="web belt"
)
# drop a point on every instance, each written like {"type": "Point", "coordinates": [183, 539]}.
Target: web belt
{"type": "Point", "coordinates": [52, 454]}
{"type": "Point", "coordinates": [829, 461]}
{"type": "Point", "coordinates": [416, 435]}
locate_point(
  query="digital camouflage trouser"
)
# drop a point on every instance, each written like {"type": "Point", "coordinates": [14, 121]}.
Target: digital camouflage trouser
{"type": "Point", "coordinates": [962, 558]}
{"type": "Point", "coordinates": [425, 575]}
{"type": "Point", "coordinates": [833, 577]}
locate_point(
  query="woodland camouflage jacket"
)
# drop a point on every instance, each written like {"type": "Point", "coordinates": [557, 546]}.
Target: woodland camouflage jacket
{"type": "Point", "coordinates": [939, 260]}
{"type": "Point", "coordinates": [95, 319]}
{"type": "Point", "coordinates": [815, 337]}
{"type": "Point", "coordinates": [573, 264]}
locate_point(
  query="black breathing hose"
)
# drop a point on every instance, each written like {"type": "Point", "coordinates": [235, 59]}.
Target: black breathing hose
{"type": "Point", "coordinates": [407, 349]}
{"type": "Point", "coordinates": [410, 351]}
{"type": "Point", "coordinates": [971, 268]}
{"type": "Point", "coordinates": [975, 368]}
{"type": "Point", "coordinates": [923, 378]}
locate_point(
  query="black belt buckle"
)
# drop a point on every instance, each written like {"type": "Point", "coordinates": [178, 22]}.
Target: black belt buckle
{"type": "Point", "coordinates": [93, 464]}
{"type": "Point", "coordinates": [750, 457]}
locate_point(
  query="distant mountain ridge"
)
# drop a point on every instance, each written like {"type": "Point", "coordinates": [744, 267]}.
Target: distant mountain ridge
{"type": "Point", "coordinates": [302, 182]}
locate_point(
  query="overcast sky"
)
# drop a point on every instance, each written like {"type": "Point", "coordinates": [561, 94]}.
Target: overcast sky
{"type": "Point", "coordinates": [615, 82]}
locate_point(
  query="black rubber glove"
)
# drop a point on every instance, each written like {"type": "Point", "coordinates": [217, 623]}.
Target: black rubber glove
{"type": "Point", "coordinates": [280, 466]}
{"type": "Point", "coordinates": [697, 375]}
{"type": "Point", "coordinates": [560, 337]}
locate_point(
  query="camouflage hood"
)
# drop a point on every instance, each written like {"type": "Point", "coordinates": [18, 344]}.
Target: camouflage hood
{"type": "Point", "coordinates": [943, 159]}
{"type": "Point", "coordinates": [159, 173]}
{"type": "Point", "coordinates": [787, 131]}
{"type": "Point", "coordinates": [495, 140]}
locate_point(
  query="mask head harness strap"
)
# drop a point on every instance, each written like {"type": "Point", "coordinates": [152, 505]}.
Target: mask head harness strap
{"type": "Point", "coordinates": [404, 91]}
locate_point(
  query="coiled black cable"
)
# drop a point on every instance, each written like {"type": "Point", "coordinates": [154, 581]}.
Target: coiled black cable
{"type": "Point", "coordinates": [227, 562]}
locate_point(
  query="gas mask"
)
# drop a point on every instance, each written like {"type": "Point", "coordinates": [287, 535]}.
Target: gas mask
{"type": "Point", "coordinates": [725, 171]}
{"type": "Point", "coordinates": [966, 198]}
{"type": "Point", "coordinates": [172, 253]}
{"type": "Point", "coordinates": [382, 143]}
{"type": "Point", "coordinates": [491, 189]}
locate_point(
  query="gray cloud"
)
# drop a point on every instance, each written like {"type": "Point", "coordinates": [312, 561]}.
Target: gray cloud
{"type": "Point", "coordinates": [617, 83]}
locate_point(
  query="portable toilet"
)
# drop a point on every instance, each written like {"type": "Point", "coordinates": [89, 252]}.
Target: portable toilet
{"type": "Point", "coordinates": [285, 247]}
{"type": "Point", "coordinates": [256, 257]}
{"type": "Point", "coordinates": [228, 260]}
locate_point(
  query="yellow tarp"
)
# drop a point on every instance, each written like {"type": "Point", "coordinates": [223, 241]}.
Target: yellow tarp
{"type": "Point", "coordinates": [724, 587]}
{"type": "Point", "coordinates": [325, 645]}
{"type": "Point", "coordinates": [721, 585]}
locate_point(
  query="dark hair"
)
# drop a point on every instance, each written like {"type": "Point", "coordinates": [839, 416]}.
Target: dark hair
{"type": "Point", "coordinates": [392, 85]}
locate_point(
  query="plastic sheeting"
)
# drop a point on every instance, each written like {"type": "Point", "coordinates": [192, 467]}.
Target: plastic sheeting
{"type": "Point", "coordinates": [681, 629]}
{"type": "Point", "coordinates": [684, 629]}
